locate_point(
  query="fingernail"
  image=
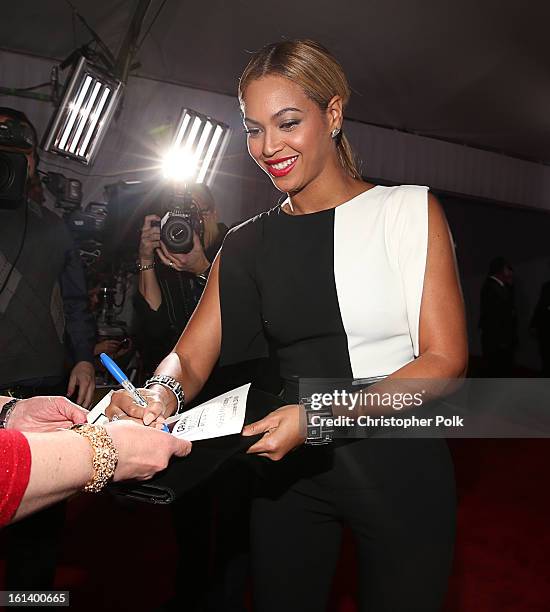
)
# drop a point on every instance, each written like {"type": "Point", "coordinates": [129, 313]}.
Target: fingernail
{"type": "Point", "coordinates": [148, 418]}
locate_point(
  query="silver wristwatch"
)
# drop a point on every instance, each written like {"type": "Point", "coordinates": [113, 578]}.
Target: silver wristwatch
{"type": "Point", "coordinates": [318, 432]}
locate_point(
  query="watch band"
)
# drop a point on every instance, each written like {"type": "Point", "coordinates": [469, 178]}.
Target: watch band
{"type": "Point", "coordinates": [170, 383]}
{"type": "Point", "coordinates": [318, 433]}
{"type": "Point", "coordinates": [6, 411]}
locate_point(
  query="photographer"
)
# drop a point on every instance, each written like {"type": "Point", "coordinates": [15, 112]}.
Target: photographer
{"type": "Point", "coordinates": [46, 330]}
{"type": "Point", "coordinates": [45, 319]}
{"type": "Point", "coordinates": [171, 284]}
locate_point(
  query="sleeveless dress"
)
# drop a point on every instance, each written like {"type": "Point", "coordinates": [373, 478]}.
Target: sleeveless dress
{"type": "Point", "coordinates": [337, 294]}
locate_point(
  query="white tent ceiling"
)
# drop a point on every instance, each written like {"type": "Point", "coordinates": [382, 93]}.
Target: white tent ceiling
{"type": "Point", "coordinates": [471, 71]}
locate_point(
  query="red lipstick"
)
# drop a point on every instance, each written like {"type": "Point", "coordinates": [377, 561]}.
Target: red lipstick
{"type": "Point", "coordinates": [281, 170]}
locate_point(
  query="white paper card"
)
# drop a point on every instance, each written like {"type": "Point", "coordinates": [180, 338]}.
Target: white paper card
{"type": "Point", "coordinates": [220, 416]}
{"type": "Point", "coordinates": [97, 413]}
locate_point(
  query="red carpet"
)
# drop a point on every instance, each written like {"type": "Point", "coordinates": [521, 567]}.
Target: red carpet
{"type": "Point", "coordinates": [501, 560]}
{"type": "Point", "coordinates": [121, 557]}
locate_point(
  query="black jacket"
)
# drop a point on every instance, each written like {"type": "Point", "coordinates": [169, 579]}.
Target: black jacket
{"type": "Point", "coordinates": [540, 320]}
{"type": "Point", "coordinates": [498, 318]}
{"type": "Point", "coordinates": [44, 316]}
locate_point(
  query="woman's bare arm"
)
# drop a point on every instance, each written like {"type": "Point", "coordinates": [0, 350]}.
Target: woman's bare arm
{"type": "Point", "coordinates": [190, 362]}
{"type": "Point", "coordinates": [61, 461]}
{"type": "Point", "coordinates": [61, 465]}
{"type": "Point", "coordinates": [443, 342]}
{"type": "Point", "coordinates": [148, 283]}
{"type": "Point", "coordinates": [196, 352]}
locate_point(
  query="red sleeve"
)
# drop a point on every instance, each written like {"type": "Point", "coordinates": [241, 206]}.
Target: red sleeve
{"type": "Point", "coordinates": [15, 469]}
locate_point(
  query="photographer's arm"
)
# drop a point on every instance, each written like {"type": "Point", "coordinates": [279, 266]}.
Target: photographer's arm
{"type": "Point", "coordinates": [149, 287]}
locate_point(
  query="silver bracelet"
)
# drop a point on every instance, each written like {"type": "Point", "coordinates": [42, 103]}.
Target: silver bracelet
{"type": "Point", "coordinates": [318, 433]}
{"type": "Point", "coordinates": [142, 267]}
{"type": "Point", "coordinates": [170, 383]}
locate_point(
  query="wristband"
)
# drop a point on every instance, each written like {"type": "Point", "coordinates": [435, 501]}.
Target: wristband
{"type": "Point", "coordinates": [317, 432]}
{"type": "Point", "coordinates": [169, 383]}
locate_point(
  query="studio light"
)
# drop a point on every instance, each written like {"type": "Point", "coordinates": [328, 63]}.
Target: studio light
{"type": "Point", "coordinates": [197, 148]}
{"type": "Point", "coordinates": [84, 114]}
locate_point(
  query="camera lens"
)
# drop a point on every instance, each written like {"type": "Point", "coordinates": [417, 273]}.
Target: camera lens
{"type": "Point", "coordinates": [7, 174]}
{"type": "Point", "coordinates": [177, 234]}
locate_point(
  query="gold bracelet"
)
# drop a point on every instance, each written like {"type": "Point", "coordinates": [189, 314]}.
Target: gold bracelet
{"type": "Point", "coordinates": [105, 455]}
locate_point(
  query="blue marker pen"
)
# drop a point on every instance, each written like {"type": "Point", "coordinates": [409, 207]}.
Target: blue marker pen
{"type": "Point", "coordinates": [121, 378]}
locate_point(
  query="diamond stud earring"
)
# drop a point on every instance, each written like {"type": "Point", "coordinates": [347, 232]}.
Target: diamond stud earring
{"type": "Point", "coordinates": [335, 132]}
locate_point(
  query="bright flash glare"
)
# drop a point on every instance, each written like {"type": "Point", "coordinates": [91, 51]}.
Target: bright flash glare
{"type": "Point", "coordinates": [178, 165]}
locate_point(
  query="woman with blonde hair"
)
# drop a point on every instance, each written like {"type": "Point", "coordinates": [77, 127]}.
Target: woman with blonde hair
{"type": "Point", "coordinates": [170, 284]}
{"type": "Point", "coordinates": [343, 280]}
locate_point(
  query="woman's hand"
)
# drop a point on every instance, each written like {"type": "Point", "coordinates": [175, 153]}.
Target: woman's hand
{"type": "Point", "coordinates": [48, 413]}
{"type": "Point", "coordinates": [150, 239]}
{"type": "Point", "coordinates": [123, 406]}
{"type": "Point", "coordinates": [143, 451]}
{"type": "Point", "coordinates": [284, 430]}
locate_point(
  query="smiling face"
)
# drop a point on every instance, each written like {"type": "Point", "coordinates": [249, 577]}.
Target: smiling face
{"type": "Point", "coordinates": [288, 134]}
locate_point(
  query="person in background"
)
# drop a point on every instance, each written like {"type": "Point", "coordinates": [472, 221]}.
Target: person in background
{"type": "Point", "coordinates": [47, 334]}
{"type": "Point", "coordinates": [45, 320]}
{"type": "Point", "coordinates": [171, 284]}
{"type": "Point", "coordinates": [498, 319]}
{"type": "Point", "coordinates": [40, 465]}
{"type": "Point", "coordinates": [540, 325]}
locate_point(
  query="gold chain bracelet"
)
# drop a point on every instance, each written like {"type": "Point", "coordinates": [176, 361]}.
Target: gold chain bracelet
{"type": "Point", "coordinates": [105, 455]}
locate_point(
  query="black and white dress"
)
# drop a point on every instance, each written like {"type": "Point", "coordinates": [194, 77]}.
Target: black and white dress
{"type": "Point", "coordinates": [337, 291]}
{"type": "Point", "coordinates": [337, 294]}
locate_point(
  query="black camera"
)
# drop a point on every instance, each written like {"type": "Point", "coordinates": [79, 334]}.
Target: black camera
{"type": "Point", "coordinates": [13, 178]}
{"type": "Point", "coordinates": [182, 220]}
{"type": "Point", "coordinates": [67, 191]}
{"type": "Point", "coordinates": [129, 202]}
{"type": "Point", "coordinates": [13, 163]}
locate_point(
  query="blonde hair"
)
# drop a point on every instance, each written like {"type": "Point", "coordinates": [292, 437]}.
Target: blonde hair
{"type": "Point", "coordinates": [211, 229]}
{"type": "Point", "coordinates": [311, 66]}
{"type": "Point", "coordinates": [203, 191]}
